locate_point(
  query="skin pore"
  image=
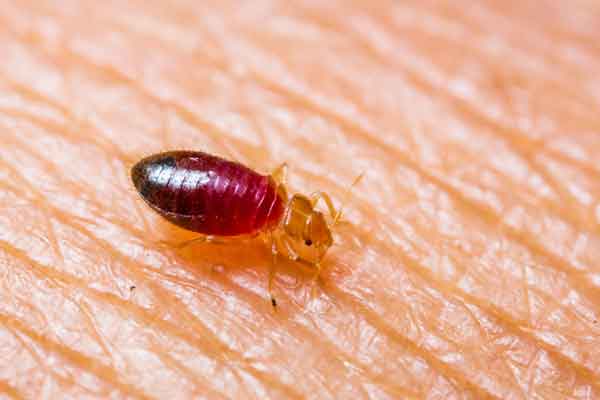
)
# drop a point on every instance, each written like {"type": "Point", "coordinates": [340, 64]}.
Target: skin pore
{"type": "Point", "coordinates": [467, 266]}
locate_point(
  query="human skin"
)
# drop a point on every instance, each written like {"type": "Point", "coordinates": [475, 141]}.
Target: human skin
{"type": "Point", "coordinates": [468, 263]}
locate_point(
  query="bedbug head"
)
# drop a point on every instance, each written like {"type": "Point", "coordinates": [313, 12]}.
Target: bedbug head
{"type": "Point", "coordinates": [307, 232]}
{"type": "Point", "coordinates": [306, 229]}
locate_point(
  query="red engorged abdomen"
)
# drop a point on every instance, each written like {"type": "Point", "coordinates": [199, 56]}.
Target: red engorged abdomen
{"type": "Point", "coordinates": [207, 194]}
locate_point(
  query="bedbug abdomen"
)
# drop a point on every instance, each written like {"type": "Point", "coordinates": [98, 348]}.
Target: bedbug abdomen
{"type": "Point", "coordinates": [207, 194]}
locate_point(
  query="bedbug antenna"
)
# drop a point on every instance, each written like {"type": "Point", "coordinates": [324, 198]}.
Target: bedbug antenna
{"type": "Point", "coordinates": [345, 197]}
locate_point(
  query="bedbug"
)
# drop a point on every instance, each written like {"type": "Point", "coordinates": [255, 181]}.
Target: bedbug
{"type": "Point", "coordinates": [222, 199]}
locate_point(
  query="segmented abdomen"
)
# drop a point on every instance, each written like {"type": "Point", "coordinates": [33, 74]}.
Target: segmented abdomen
{"type": "Point", "coordinates": [207, 194]}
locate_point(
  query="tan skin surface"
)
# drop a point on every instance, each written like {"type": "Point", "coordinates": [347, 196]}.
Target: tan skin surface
{"type": "Point", "coordinates": [470, 264]}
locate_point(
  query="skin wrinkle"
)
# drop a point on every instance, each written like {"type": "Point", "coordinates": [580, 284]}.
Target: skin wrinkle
{"type": "Point", "coordinates": [516, 29]}
{"type": "Point", "coordinates": [523, 150]}
{"type": "Point", "coordinates": [204, 126]}
{"type": "Point", "coordinates": [478, 300]}
{"type": "Point", "coordinates": [36, 97]}
{"type": "Point", "coordinates": [324, 353]}
{"type": "Point", "coordinates": [10, 391]}
{"type": "Point", "coordinates": [183, 113]}
{"type": "Point", "coordinates": [191, 376]}
{"type": "Point", "coordinates": [329, 22]}
{"type": "Point", "coordinates": [346, 358]}
{"type": "Point", "coordinates": [397, 391]}
{"type": "Point", "coordinates": [99, 337]}
{"type": "Point", "coordinates": [275, 383]}
{"type": "Point", "coordinates": [163, 325]}
{"type": "Point", "coordinates": [52, 239]}
{"type": "Point", "coordinates": [487, 55]}
{"type": "Point", "coordinates": [493, 55]}
{"type": "Point", "coordinates": [455, 376]}
{"type": "Point", "coordinates": [59, 214]}
{"type": "Point", "coordinates": [520, 144]}
{"type": "Point", "coordinates": [383, 60]}
{"type": "Point", "coordinates": [20, 329]}
{"type": "Point", "coordinates": [110, 271]}
{"type": "Point", "coordinates": [32, 351]}
{"type": "Point", "coordinates": [82, 189]}
{"type": "Point", "coordinates": [488, 393]}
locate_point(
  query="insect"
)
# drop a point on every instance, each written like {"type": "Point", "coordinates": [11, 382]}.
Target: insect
{"type": "Point", "coordinates": [225, 200]}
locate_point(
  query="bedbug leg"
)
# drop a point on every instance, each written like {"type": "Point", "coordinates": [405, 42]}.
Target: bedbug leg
{"type": "Point", "coordinates": [336, 214]}
{"type": "Point", "coordinates": [316, 196]}
{"type": "Point", "coordinates": [272, 270]}
{"type": "Point", "coordinates": [201, 239]}
{"type": "Point", "coordinates": [315, 278]}
{"type": "Point", "coordinates": [210, 239]}
{"type": "Point", "coordinates": [292, 255]}
{"type": "Point", "coordinates": [278, 242]}
{"type": "Point", "coordinates": [181, 245]}
{"type": "Point", "coordinates": [355, 182]}
{"type": "Point", "coordinates": [279, 174]}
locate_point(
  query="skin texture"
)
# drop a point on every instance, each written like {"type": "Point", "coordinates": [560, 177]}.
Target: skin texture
{"type": "Point", "coordinates": [469, 264]}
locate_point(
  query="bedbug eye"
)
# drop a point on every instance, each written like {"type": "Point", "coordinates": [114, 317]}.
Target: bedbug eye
{"type": "Point", "coordinates": [308, 242]}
